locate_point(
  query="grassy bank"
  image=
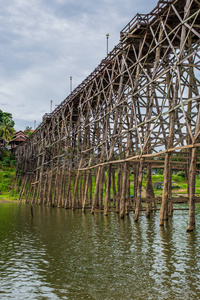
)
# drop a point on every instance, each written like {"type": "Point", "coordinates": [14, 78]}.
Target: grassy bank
{"type": "Point", "coordinates": [7, 175]}
{"type": "Point", "coordinates": [6, 180]}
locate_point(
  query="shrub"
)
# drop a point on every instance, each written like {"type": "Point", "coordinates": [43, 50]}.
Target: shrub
{"type": "Point", "coordinates": [181, 173]}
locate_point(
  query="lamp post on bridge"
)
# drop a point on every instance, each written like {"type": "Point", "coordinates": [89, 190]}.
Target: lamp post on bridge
{"type": "Point", "coordinates": [107, 36]}
{"type": "Point", "coordinates": [51, 101]}
{"type": "Point", "coordinates": [70, 84]}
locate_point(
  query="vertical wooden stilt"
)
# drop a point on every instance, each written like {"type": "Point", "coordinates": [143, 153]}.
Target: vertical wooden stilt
{"type": "Point", "coordinates": [192, 177]}
{"type": "Point", "coordinates": [170, 203]}
{"type": "Point", "coordinates": [108, 181]}
{"type": "Point", "coordinates": [139, 190]}
{"type": "Point", "coordinates": [164, 206]}
{"type": "Point", "coordinates": [101, 189]}
{"type": "Point", "coordinates": [119, 184]}
{"type": "Point", "coordinates": [96, 192]}
{"type": "Point", "coordinates": [149, 191]}
{"type": "Point", "coordinates": [136, 175]}
{"type": "Point", "coordinates": [113, 186]}
{"type": "Point", "coordinates": [128, 198]}
{"type": "Point", "coordinates": [87, 182]}
{"type": "Point", "coordinates": [123, 192]}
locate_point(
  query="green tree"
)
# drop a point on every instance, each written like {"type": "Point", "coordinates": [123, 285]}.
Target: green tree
{"type": "Point", "coordinates": [28, 130]}
{"type": "Point", "coordinates": [7, 127]}
{"type": "Point", "coordinates": [1, 116]}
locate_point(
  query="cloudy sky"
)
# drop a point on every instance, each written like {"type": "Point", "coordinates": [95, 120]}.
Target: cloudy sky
{"type": "Point", "coordinates": [44, 42]}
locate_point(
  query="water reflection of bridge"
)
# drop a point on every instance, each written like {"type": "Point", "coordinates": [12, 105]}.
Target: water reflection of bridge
{"type": "Point", "coordinates": [142, 98]}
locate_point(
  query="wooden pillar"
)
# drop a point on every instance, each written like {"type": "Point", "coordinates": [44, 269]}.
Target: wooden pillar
{"type": "Point", "coordinates": [86, 187]}
{"type": "Point", "coordinates": [164, 206]}
{"type": "Point", "coordinates": [23, 187]}
{"type": "Point", "coordinates": [149, 191]}
{"type": "Point", "coordinates": [90, 188]}
{"type": "Point", "coordinates": [49, 195]}
{"type": "Point", "coordinates": [136, 174]}
{"type": "Point", "coordinates": [101, 189]}
{"type": "Point", "coordinates": [128, 193]}
{"type": "Point", "coordinates": [69, 197]}
{"type": "Point", "coordinates": [44, 194]}
{"type": "Point", "coordinates": [170, 203]}
{"type": "Point", "coordinates": [119, 186]}
{"type": "Point", "coordinates": [96, 192]}
{"type": "Point", "coordinates": [192, 176]}
{"type": "Point", "coordinates": [123, 192]}
{"type": "Point", "coordinates": [80, 189]}
{"type": "Point", "coordinates": [108, 184]}
{"type": "Point", "coordinates": [139, 190]}
{"type": "Point", "coordinates": [113, 186]}
{"type": "Point", "coordinates": [64, 189]}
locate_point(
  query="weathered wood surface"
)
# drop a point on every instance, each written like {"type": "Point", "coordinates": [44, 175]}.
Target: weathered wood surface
{"type": "Point", "coordinates": [138, 109]}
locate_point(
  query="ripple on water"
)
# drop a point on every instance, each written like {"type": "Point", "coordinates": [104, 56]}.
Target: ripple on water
{"type": "Point", "coordinates": [64, 255]}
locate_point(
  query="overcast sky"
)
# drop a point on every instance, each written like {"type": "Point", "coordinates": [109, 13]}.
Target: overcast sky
{"type": "Point", "coordinates": [44, 42]}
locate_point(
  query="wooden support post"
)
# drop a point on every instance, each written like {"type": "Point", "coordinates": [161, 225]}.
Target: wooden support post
{"type": "Point", "coordinates": [86, 190]}
{"type": "Point", "coordinates": [136, 175]}
{"type": "Point", "coordinates": [23, 187]}
{"type": "Point", "coordinates": [170, 203]}
{"type": "Point", "coordinates": [90, 188]}
{"type": "Point", "coordinates": [96, 192]}
{"type": "Point", "coordinates": [192, 177]}
{"type": "Point", "coordinates": [164, 206]}
{"type": "Point", "coordinates": [139, 190]}
{"type": "Point", "coordinates": [69, 197]}
{"type": "Point", "coordinates": [113, 187]}
{"type": "Point", "coordinates": [49, 195]}
{"type": "Point", "coordinates": [44, 196]}
{"type": "Point", "coordinates": [119, 186]}
{"type": "Point", "coordinates": [64, 189]}
{"type": "Point", "coordinates": [128, 194]}
{"type": "Point", "coordinates": [101, 189]}
{"type": "Point", "coordinates": [108, 184]}
{"type": "Point", "coordinates": [80, 189]}
{"type": "Point", "coordinates": [60, 193]}
{"type": "Point", "coordinates": [124, 188]}
{"type": "Point", "coordinates": [149, 191]}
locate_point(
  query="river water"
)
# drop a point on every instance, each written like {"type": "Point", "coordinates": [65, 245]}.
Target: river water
{"type": "Point", "coordinates": [60, 254]}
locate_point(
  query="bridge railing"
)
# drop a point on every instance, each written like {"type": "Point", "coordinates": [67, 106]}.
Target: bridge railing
{"type": "Point", "coordinates": [143, 19]}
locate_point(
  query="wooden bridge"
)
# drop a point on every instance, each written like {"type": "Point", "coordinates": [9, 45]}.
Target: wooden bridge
{"type": "Point", "coordinates": [140, 107]}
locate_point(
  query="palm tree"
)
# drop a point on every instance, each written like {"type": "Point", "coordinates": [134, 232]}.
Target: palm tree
{"type": "Point", "coordinates": [6, 128]}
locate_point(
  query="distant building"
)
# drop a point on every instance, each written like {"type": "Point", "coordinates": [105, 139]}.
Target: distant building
{"type": "Point", "coordinates": [18, 138]}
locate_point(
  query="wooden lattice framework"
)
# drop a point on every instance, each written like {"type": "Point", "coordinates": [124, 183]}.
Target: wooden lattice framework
{"type": "Point", "coordinates": [142, 98]}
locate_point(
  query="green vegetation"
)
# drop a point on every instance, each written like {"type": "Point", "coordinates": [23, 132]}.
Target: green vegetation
{"type": "Point", "coordinates": [7, 159]}
{"type": "Point", "coordinates": [7, 174]}
{"type": "Point", "coordinates": [6, 180]}
{"type": "Point", "coordinates": [6, 126]}
{"type": "Point", "coordinates": [27, 131]}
